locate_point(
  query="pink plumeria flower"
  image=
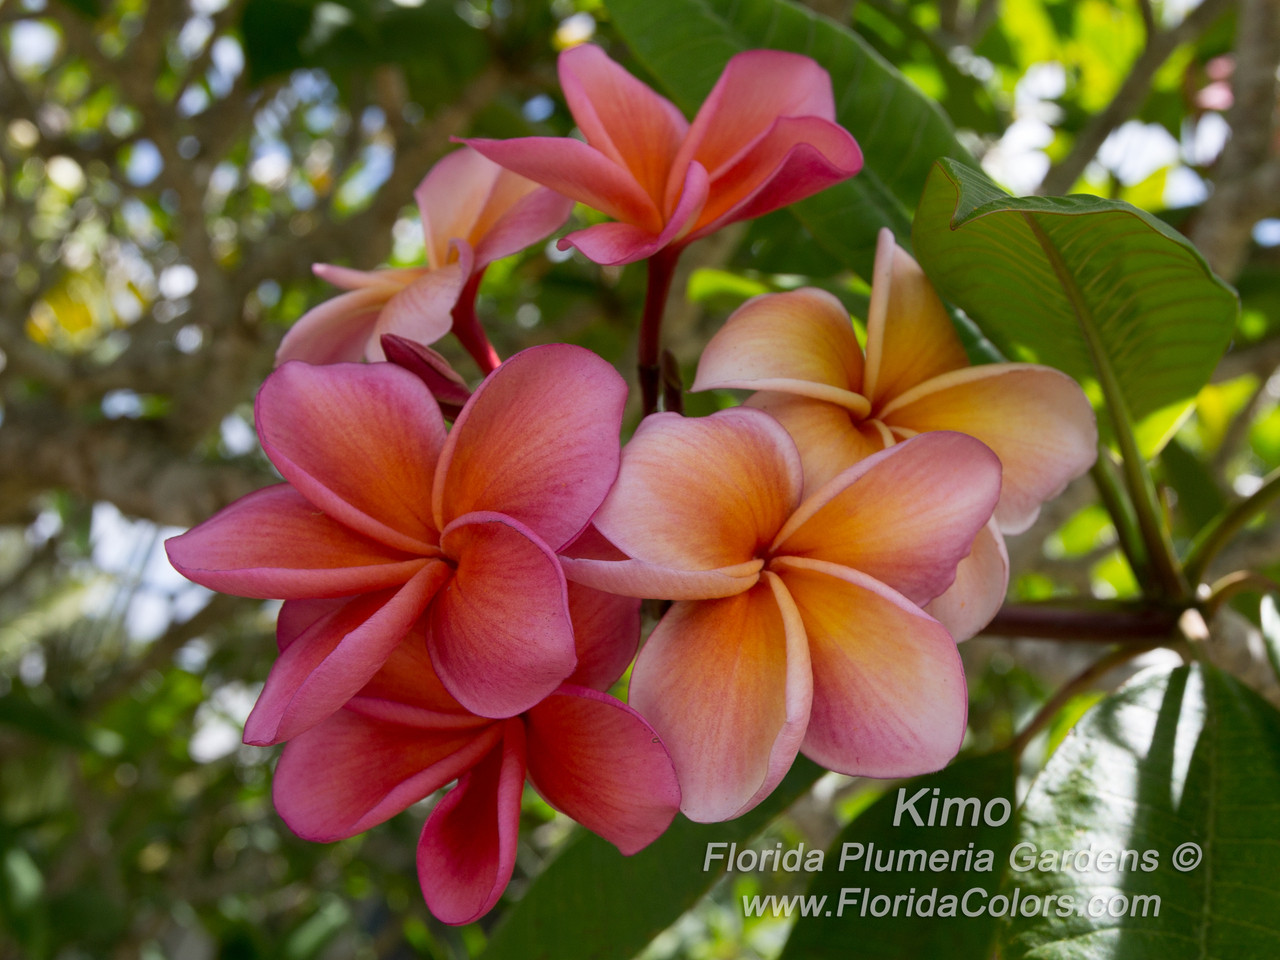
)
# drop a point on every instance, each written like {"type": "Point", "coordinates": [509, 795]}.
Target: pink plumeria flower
{"type": "Point", "coordinates": [765, 137]}
{"type": "Point", "coordinates": [473, 212]}
{"type": "Point", "coordinates": [384, 508]}
{"type": "Point", "coordinates": [403, 736]}
{"type": "Point", "coordinates": [800, 352]}
{"type": "Point", "coordinates": [797, 625]}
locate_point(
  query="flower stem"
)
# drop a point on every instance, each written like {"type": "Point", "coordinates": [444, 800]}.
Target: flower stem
{"type": "Point", "coordinates": [1219, 531]}
{"type": "Point", "coordinates": [662, 268]}
{"type": "Point", "coordinates": [467, 328]}
{"type": "Point", "coordinates": [1098, 622]}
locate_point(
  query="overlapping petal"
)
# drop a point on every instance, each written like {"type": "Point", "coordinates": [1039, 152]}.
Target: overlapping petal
{"type": "Point", "coordinates": [274, 544]}
{"type": "Point", "coordinates": [700, 495]}
{"type": "Point", "coordinates": [468, 847]}
{"type": "Point", "coordinates": [827, 440]}
{"type": "Point", "coordinates": [982, 579]}
{"type": "Point", "coordinates": [328, 432]}
{"type": "Point", "coordinates": [726, 685]}
{"type": "Point", "coordinates": [906, 516]}
{"type": "Point", "coordinates": [501, 638]}
{"type": "Point", "coordinates": [337, 330]}
{"type": "Point", "coordinates": [889, 695]}
{"type": "Point", "coordinates": [538, 441]}
{"type": "Point", "coordinates": [1036, 419]}
{"type": "Point", "coordinates": [597, 760]}
{"type": "Point", "coordinates": [606, 633]}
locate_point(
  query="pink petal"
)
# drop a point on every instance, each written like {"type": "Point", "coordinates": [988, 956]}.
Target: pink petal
{"type": "Point", "coordinates": [906, 516]}
{"type": "Point", "coordinates": [330, 662]}
{"type": "Point", "coordinates": [408, 677]}
{"type": "Point", "coordinates": [618, 243]}
{"type": "Point", "coordinates": [273, 544]}
{"type": "Point", "coordinates": [597, 760]}
{"type": "Point", "coordinates": [828, 440]}
{"type": "Point", "coordinates": [536, 214]}
{"type": "Point", "coordinates": [798, 157]}
{"type": "Point", "coordinates": [422, 311]}
{"type": "Point", "coordinates": [360, 442]}
{"type": "Point", "coordinates": [501, 638]}
{"type": "Point", "coordinates": [755, 89]}
{"type": "Point", "coordinates": [538, 441]}
{"type": "Point", "coordinates": [636, 578]}
{"type": "Point", "coordinates": [449, 389]}
{"type": "Point", "coordinates": [390, 279]}
{"type": "Point", "coordinates": [800, 343]}
{"type": "Point", "coordinates": [726, 684]}
{"type": "Point", "coordinates": [352, 772]}
{"type": "Point", "coordinates": [606, 634]}
{"type": "Point", "coordinates": [468, 847]}
{"type": "Point", "coordinates": [621, 117]}
{"type": "Point", "coordinates": [1036, 419]}
{"type": "Point", "coordinates": [451, 198]}
{"type": "Point", "coordinates": [909, 334]}
{"type": "Point", "coordinates": [889, 694]}
{"type": "Point", "coordinates": [574, 169]}
{"type": "Point", "coordinates": [336, 330]}
{"type": "Point", "coordinates": [705, 494]}
{"type": "Point", "coordinates": [982, 579]}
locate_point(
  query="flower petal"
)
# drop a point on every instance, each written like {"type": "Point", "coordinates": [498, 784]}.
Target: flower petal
{"type": "Point", "coordinates": [755, 89]}
{"type": "Point", "coordinates": [800, 343]}
{"type": "Point", "coordinates": [452, 198]}
{"type": "Point", "coordinates": [828, 440]}
{"type": "Point", "coordinates": [1036, 419]}
{"type": "Point", "coordinates": [274, 544]}
{"type": "Point", "coordinates": [501, 638]}
{"type": "Point", "coordinates": [617, 243]}
{"type": "Point", "coordinates": [906, 516]}
{"type": "Point", "coordinates": [909, 335]}
{"type": "Point", "coordinates": [597, 760]}
{"type": "Point", "coordinates": [351, 771]}
{"type": "Point", "coordinates": [702, 494]}
{"type": "Point", "coordinates": [467, 851]}
{"type": "Point", "coordinates": [423, 310]}
{"type": "Point", "coordinates": [889, 695]}
{"type": "Point", "coordinates": [606, 634]}
{"type": "Point", "coordinates": [798, 157]}
{"type": "Point", "coordinates": [538, 441]}
{"type": "Point", "coordinates": [621, 117]}
{"type": "Point", "coordinates": [574, 169]}
{"type": "Point", "coordinates": [982, 579]}
{"type": "Point", "coordinates": [726, 684]}
{"type": "Point", "coordinates": [524, 217]}
{"type": "Point", "coordinates": [337, 330]}
{"type": "Point", "coordinates": [328, 664]}
{"type": "Point", "coordinates": [636, 578]}
{"type": "Point", "coordinates": [360, 442]}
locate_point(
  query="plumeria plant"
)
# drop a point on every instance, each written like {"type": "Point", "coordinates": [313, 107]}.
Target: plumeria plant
{"type": "Point", "coordinates": [464, 565]}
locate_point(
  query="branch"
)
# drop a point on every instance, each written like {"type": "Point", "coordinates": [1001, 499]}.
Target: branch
{"type": "Point", "coordinates": [1131, 95]}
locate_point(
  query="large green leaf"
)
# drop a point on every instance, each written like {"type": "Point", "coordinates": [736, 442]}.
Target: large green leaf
{"type": "Point", "coordinates": [872, 841]}
{"type": "Point", "coordinates": [1094, 287]}
{"type": "Point", "coordinates": [592, 903]}
{"type": "Point", "coordinates": [1182, 757]}
{"type": "Point", "coordinates": [686, 43]}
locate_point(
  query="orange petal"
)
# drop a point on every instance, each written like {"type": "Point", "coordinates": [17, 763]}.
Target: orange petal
{"type": "Point", "coordinates": [702, 494]}
{"type": "Point", "coordinates": [800, 343]}
{"type": "Point", "coordinates": [889, 694]}
{"type": "Point", "coordinates": [906, 516]}
{"type": "Point", "coordinates": [982, 579]}
{"type": "Point", "coordinates": [829, 441]}
{"type": "Point", "coordinates": [1036, 419]}
{"type": "Point", "coordinates": [909, 335]}
{"type": "Point", "coordinates": [726, 684]}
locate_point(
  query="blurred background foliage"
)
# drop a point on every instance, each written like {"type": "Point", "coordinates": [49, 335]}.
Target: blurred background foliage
{"type": "Point", "coordinates": [169, 170]}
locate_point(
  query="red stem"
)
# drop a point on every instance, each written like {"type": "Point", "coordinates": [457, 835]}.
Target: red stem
{"type": "Point", "coordinates": [662, 268]}
{"type": "Point", "coordinates": [466, 327]}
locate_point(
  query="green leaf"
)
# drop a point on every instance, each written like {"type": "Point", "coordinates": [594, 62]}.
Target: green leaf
{"type": "Point", "coordinates": [686, 43]}
{"type": "Point", "coordinates": [592, 903]}
{"type": "Point", "coordinates": [1093, 287]}
{"type": "Point", "coordinates": [978, 852]}
{"type": "Point", "coordinates": [1183, 757]}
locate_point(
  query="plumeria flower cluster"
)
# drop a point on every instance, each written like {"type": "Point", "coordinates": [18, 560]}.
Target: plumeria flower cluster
{"type": "Point", "coordinates": [459, 600]}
